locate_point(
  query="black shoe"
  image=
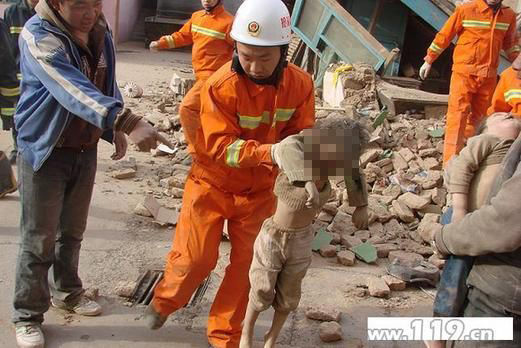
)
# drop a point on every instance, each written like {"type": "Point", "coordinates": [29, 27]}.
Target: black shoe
{"type": "Point", "coordinates": [12, 157]}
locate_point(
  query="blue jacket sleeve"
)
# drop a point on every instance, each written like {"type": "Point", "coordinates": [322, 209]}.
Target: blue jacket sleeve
{"type": "Point", "coordinates": [47, 60]}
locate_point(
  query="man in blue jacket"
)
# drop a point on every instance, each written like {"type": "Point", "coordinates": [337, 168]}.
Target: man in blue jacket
{"type": "Point", "coordinates": [69, 100]}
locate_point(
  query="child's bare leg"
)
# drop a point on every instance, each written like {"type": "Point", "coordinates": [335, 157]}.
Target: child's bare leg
{"type": "Point", "coordinates": [248, 326]}
{"type": "Point", "coordinates": [279, 318]}
{"type": "Point", "coordinates": [435, 344]}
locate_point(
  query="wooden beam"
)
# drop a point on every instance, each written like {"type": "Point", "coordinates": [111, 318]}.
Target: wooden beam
{"type": "Point", "coordinates": [374, 17]}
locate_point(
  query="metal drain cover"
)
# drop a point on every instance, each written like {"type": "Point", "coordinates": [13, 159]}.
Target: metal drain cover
{"type": "Point", "coordinates": [144, 290]}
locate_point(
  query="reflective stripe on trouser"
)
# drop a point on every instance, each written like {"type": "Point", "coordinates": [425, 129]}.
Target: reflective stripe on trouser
{"type": "Point", "coordinates": [469, 98]}
{"type": "Point", "coordinates": [195, 252]}
{"type": "Point", "coordinates": [189, 113]}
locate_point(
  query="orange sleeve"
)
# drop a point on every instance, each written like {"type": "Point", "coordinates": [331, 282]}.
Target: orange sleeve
{"type": "Point", "coordinates": [222, 133]}
{"type": "Point", "coordinates": [229, 39]}
{"type": "Point", "coordinates": [450, 29]}
{"type": "Point", "coordinates": [511, 41]}
{"type": "Point", "coordinates": [499, 104]}
{"type": "Point", "coordinates": [181, 38]}
{"type": "Point", "coordinates": [304, 116]}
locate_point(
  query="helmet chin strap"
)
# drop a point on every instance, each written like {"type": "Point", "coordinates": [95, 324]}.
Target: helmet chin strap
{"type": "Point", "coordinates": [275, 77]}
{"type": "Point", "coordinates": [496, 7]}
{"type": "Point", "coordinates": [211, 8]}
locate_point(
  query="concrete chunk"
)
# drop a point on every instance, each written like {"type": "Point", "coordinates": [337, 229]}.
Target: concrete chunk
{"type": "Point", "coordinates": [330, 332]}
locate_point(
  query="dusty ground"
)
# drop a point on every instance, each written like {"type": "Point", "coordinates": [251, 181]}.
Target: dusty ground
{"type": "Point", "coordinates": [119, 245]}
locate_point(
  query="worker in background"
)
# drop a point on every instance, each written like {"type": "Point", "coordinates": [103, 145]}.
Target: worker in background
{"type": "Point", "coordinates": [483, 27]}
{"type": "Point", "coordinates": [209, 32]}
{"type": "Point", "coordinates": [507, 96]}
{"type": "Point", "coordinates": [8, 82]}
{"type": "Point", "coordinates": [247, 107]}
{"type": "Point", "coordinates": [15, 17]}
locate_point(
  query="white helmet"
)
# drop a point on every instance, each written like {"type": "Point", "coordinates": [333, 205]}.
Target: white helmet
{"type": "Point", "coordinates": [262, 23]}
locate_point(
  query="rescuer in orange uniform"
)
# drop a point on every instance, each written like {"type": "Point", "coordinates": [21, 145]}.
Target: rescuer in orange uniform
{"type": "Point", "coordinates": [247, 107]}
{"type": "Point", "coordinates": [483, 27]}
{"type": "Point", "coordinates": [209, 32]}
{"type": "Point", "coordinates": [507, 96]}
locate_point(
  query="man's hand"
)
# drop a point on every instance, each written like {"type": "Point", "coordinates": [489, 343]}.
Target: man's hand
{"type": "Point", "coordinates": [425, 70]}
{"type": "Point", "coordinates": [146, 137]}
{"type": "Point", "coordinates": [313, 195]}
{"type": "Point", "coordinates": [428, 231]}
{"type": "Point", "coordinates": [154, 46]}
{"type": "Point", "coordinates": [120, 142]}
{"type": "Point", "coordinates": [360, 217]}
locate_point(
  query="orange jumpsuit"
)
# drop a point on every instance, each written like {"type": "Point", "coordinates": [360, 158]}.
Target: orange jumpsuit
{"type": "Point", "coordinates": [481, 36]}
{"type": "Point", "coordinates": [507, 96]}
{"type": "Point", "coordinates": [212, 48]}
{"type": "Point", "coordinates": [232, 178]}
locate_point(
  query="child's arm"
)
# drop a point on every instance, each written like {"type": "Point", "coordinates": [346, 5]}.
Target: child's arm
{"type": "Point", "coordinates": [357, 195]}
{"type": "Point", "coordinates": [313, 195]}
{"type": "Point", "coordinates": [462, 170]}
{"type": "Point", "coordinates": [459, 206]}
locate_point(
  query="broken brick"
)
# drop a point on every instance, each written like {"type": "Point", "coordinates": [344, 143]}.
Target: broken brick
{"type": "Point", "coordinates": [127, 173]}
{"type": "Point", "coordinates": [413, 201]}
{"type": "Point", "coordinates": [383, 250]}
{"type": "Point", "coordinates": [404, 212]}
{"type": "Point", "coordinates": [346, 258]}
{"type": "Point", "coordinates": [323, 314]}
{"type": "Point", "coordinates": [378, 288]}
{"type": "Point", "coordinates": [328, 251]}
{"type": "Point", "coordinates": [405, 258]}
{"type": "Point", "coordinates": [394, 283]}
{"type": "Point", "coordinates": [350, 241]}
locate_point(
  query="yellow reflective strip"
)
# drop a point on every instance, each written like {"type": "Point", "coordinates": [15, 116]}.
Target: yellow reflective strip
{"type": "Point", "coordinates": [249, 122]}
{"type": "Point", "coordinates": [15, 30]}
{"type": "Point", "coordinates": [208, 32]}
{"type": "Point", "coordinates": [232, 153]}
{"type": "Point", "coordinates": [435, 48]}
{"type": "Point", "coordinates": [170, 41]}
{"type": "Point", "coordinates": [283, 115]}
{"type": "Point", "coordinates": [10, 92]}
{"type": "Point", "coordinates": [252, 122]}
{"type": "Point", "coordinates": [502, 26]}
{"type": "Point", "coordinates": [7, 111]}
{"type": "Point", "coordinates": [515, 48]}
{"type": "Point", "coordinates": [512, 94]}
{"type": "Point", "coordinates": [476, 24]}
{"type": "Point", "coordinates": [468, 21]}
{"type": "Point", "coordinates": [218, 33]}
{"type": "Point", "coordinates": [19, 77]}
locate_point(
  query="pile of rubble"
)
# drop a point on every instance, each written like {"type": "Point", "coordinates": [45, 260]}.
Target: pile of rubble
{"type": "Point", "coordinates": [403, 168]}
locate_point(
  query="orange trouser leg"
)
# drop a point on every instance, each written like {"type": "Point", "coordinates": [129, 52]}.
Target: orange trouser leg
{"type": "Point", "coordinates": [459, 110]}
{"type": "Point", "coordinates": [189, 113]}
{"type": "Point", "coordinates": [480, 103]}
{"type": "Point", "coordinates": [196, 246]}
{"type": "Point", "coordinates": [229, 306]}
